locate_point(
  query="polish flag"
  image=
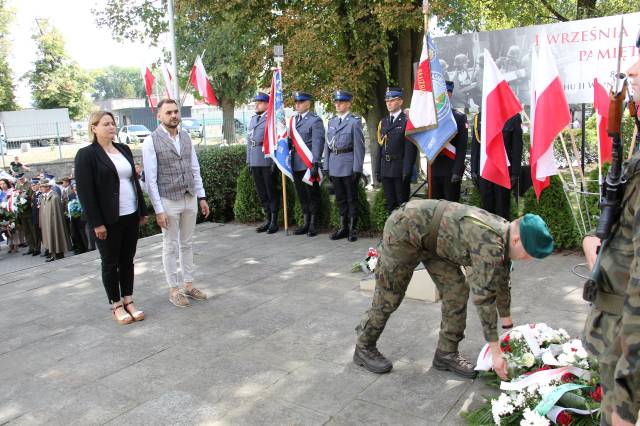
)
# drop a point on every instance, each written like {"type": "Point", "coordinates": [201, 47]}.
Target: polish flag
{"type": "Point", "coordinates": [168, 81]}
{"type": "Point", "coordinates": [601, 105]}
{"type": "Point", "coordinates": [201, 82]}
{"type": "Point", "coordinates": [549, 115]}
{"type": "Point", "coordinates": [148, 85]}
{"type": "Point", "coordinates": [499, 104]}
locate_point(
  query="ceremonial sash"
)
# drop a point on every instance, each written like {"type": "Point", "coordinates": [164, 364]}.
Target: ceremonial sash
{"type": "Point", "coordinates": [304, 152]}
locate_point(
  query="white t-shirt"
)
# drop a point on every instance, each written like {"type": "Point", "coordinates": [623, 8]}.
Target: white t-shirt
{"type": "Point", "coordinates": [128, 199]}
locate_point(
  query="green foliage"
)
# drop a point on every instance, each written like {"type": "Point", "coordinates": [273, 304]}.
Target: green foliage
{"type": "Point", "coordinates": [220, 168]}
{"type": "Point", "coordinates": [7, 97]}
{"type": "Point", "coordinates": [57, 81]}
{"type": "Point", "coordinates": [379, 214]}
{"type": "Point", "coordinates": [247, 207]}
{"type": "Point", "coordinates": [324, 209]}
{"type": "Point", "coordinates": [593, 186]}
{"type": "Point", "coordinates": [152, 227]}
{"type": "Point", "coordinates": [554, 208]}
{"type": "Point", "coordinates": [364, 211]}
{"type": "Point", "coordinates": [117, 82]}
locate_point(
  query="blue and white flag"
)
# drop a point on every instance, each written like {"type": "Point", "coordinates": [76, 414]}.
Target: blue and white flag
{"type": "Point", "coordinates": [276, 132]}
{"type": "Point", "coordinates": [434, 139]}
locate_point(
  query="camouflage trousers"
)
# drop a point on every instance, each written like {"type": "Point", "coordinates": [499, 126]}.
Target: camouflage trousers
{"type": "Point", "coordinates": [398, 257]}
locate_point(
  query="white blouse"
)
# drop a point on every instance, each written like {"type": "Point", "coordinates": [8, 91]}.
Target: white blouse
{"type": "Point", "coordinates": [128, 198]}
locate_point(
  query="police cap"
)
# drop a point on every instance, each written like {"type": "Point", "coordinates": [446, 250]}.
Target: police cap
{"type": "Point", "coordinates": [342, 95]}
{"type": "Point", "coordinates": [393, 93]}
{"type": "Point", "coordinates": [302, 96]}
{"type": "Point", "coordinates": [261, 97]}
{"type": "Point", "coordinates": [535, 236]}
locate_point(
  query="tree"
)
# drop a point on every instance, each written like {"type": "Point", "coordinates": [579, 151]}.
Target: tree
{"type": "Point", "coordinates": [57, 81]}
{"type": "Point", "coordinates": [7, 97]}
{"type": "Point", "coordinates": [118, 82]}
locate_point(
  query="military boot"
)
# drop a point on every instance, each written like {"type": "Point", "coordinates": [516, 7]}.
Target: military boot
{"type": "Point", "coordinates": [454, 362]}
{"type": "Point", "coordinates": [273, 226]}
{"type": "Point", "coordinates": [305, 227]}
{"type": "Point", "coordinates": [343, 231]}
{"type": "Point", "coordinates": [265, 225]}
{"type": "Point", "coordinates": [353, 234]}
{"type": "Point", "coordinates": [312, 232]}
{"type": "Point", "coordinates": [371, 359]}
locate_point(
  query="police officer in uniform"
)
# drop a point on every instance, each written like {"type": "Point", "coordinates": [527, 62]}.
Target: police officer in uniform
{"type": "Point", "coordinates": [343, 159]}
{"type": "Point", "coordinates": [262, 169]}
{"type": "Point", "coordinates": [446, 172]}
{"type": "Point", "coordinates": [495, 198]}
{"type": "Point", "coordinates": [396, 154]}
{"type": "Point", "coordinates": [445, 237]}
{"type": "Point", "coordinates": [311, 129]}
{"type": "Point", "coordinates": [612, 329]}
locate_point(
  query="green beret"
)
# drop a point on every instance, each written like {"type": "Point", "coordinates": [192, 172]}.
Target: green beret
{"type": "Point", "coordinates": [535, 236]}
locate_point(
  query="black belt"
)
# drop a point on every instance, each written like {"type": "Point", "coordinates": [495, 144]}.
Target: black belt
{"type": "Point", "coordinates": [342, 151]}
{"type": "Point", "coordinates": [254, 144]}
{"type": "Point", "coordinates": [389, 157]}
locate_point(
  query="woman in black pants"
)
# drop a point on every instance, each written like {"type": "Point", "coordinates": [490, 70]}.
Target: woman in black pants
{"type": "Point", "coordinates": [114, 205]}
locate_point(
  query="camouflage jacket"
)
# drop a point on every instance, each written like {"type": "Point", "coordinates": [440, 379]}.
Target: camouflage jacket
{"type": "Point", "coordinates": [621, 276]}
{"type": "Point", "coordinates": [477, 240]}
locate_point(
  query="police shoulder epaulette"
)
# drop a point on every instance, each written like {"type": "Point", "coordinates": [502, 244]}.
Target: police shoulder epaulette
{"type": "Point", "coordinates": [357, 117]}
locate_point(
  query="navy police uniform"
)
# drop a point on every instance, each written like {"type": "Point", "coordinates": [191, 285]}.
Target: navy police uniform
{"type": "Point", "coordinates": [262, 169]}
{"type": "Point", "coordinates": [446, 172]}
{"type": "Point", "coordinates": [495, 198]}
{"type": "Point", "coordinates": [343, 159]}
{"type": "Point", "coordinates": [396, 155]}
{"type": "Point", "coordinates": [310, 127]}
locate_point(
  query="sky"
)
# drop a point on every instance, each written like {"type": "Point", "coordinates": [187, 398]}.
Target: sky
{"type": "Point", "coordinates": [90, 46]}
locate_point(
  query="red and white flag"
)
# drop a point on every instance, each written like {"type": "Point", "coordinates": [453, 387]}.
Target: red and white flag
{"type": "Point", "coordinates": [422, 114]}
{"type": "Point", "coordinates": [601, 106]}
{"type": "Point", "coordinates": [200, 81]}
{"type": "Point", "coordinates": [549, 115]}
{"type": "Point", "coordinates": [168, 81]}
{"type": "Point", "coordinates": [499, 104]}
{"type": "Point", "coordinates": [148, 85]}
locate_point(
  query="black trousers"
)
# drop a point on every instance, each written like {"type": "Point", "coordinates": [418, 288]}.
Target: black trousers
{"type": "Point", "coordinates": [77, 234]}
{"type": "Point", "coordinates": [29, 230]}
{"type": "Point", "coordinates": [396, 192]}
{"type": "Point", "coordinates": [117, 252]}
{"type": "Point", "coordinates": [346, 195]}
{"type": "Point", "coordinates": [309, 196]}
{"type": "Point", "coordinates": [495, 198]}
{"type": "Point", "coordinates": [265, 181]}
{"type": "Point", "coordinates": [443, 189]}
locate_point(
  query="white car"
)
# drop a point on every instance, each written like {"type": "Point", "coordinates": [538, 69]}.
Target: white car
{"type": "Point", "coordinates": [134, 133]}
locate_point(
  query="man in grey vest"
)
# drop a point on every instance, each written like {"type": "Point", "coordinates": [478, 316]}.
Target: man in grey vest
{"type": "Point", "coordinates": [311, 130]}
{"type": "Point", "coordinates": [262, 168]}
{"type": "Point", "coordinates": [343, 159]}
{"type": "Point", "coordinates": [174, 184]}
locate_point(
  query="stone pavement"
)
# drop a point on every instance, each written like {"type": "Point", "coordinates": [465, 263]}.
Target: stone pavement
{"type": "Point", "coordinates": [272, 345]}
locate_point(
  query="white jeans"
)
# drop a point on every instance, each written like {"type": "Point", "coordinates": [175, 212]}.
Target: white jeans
{"type": "Point", "coordinates": [182, 222]}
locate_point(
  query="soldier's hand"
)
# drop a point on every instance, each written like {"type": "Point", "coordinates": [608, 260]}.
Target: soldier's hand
{"type": "Point", "coordinates": [356, 176]}
{"type": "Point", "coordinates": [455, 178]}
{"type": "Point", "coordinates": [514, 181]}
{"type": "Point", "coordinates": [474, 178]}
{"type": "Point", "coordinates": [315, 170]}
{"type": "Point", "coordinates": [500, 366]}
{"type": "Point", "coordinates": [378, 177]}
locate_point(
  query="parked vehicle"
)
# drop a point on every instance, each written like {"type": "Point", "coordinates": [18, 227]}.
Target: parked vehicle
{"type": "Point", "coordinates": [193, 126]}
{"type": "Point", "coordinates": [38, 127]}
{"type": "Point", "coordinates": [134, 133]}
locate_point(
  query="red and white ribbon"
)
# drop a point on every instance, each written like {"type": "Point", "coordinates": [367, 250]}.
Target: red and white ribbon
{"type": "Point", "coordinates": [544, 376]}
{"type": "Point", "coordinates": [304, 152]}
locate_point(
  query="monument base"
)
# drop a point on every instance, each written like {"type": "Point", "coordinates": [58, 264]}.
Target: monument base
{"type": "Point", "coordinates": [421, 286]}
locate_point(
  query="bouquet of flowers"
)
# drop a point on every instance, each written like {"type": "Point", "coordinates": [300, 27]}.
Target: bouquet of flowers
{"type": "Point", "coordinates": [74, 208]}
{"type": "Point", "coordinates": [553, 380]}
{"type": "Point", "coordinates": [7, 218]}
{"type": "Point", "coordinates": [368, 264]}
{"type": "Point", "coordinates": [17, 202]}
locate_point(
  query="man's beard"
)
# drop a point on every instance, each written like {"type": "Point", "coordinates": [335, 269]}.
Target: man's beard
{"type": "Point", "coordinates": [170, 125]}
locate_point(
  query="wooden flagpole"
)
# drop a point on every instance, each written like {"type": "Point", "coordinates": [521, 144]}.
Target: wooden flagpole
{"type": "Point", "coordinates": [425, 13]}
{"type": "Point", "coordinates": [278, 53]}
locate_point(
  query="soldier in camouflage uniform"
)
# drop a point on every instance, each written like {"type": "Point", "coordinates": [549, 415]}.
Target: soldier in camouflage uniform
{"type": "Point", "coordinates": [446, 236]}
{"type": "Point", "coordinates": [612, 330]}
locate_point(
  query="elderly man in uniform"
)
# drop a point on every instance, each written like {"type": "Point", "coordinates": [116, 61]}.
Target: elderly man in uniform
{"type": "Point", "coordinates": [311, 130]}
{"type": "Point", "coordinates": [343, 160]}
{"type": "Point", "coordinates": [447, 169]}
{"type": "Point", "coordinates": [396, 154]}
{"type": "Point", "coordinates": [54, 232]}
{"type": "Point", "coordinates": [612, 329]}
{"type": "Point", "coordinates": [445, 237]}
{"type": "Point", "coordinates": [262, 168]}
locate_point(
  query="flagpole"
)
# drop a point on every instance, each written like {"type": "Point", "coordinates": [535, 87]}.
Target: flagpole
{"type": "Point", "coordinates": [278, 56]}
{"type": "Point", "coordinates": [425, 13]}
{"type": "Point", "coordinates": [174, 56]}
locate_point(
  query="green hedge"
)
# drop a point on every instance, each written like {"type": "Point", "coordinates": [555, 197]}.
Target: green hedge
{"type": "Point", "coordinates": [364, 211]}
{"type": "Point", "coordinates": [247, 207]}
{"type": "Point", "coordinates": [151, 228]}
{"type": "Point", "coordinates": [379, 214]}
{"type": "Point", "coordinates": [220, 167]}
{"type": "Point", "coordinates": [324, 209]}
{"type": "Point", "coordinates": [554, 208]}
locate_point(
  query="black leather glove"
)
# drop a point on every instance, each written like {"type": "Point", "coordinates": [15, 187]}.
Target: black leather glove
{"type": "Point", "coordinates": [315, 170]}
{"type": "Point", "coordinates": [514, 181]}
{"type": "Point", "coordinates": [474, 178]}
{"type": "Point", "coordinates": [378, 177]}
{"type": "Point", "coordinates": [356, 176]}
{"type": "Point", "coordinates": [455, 178]}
